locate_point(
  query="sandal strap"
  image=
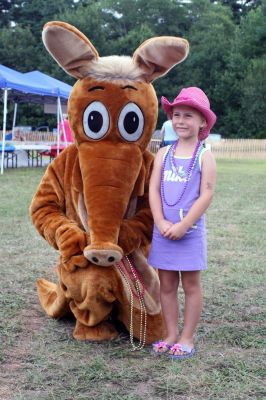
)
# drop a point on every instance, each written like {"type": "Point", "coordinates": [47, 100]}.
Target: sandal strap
{"type": "Point", "coordinates": [181, 347]}
{"type": "Point", "coordinates": [161, 345]}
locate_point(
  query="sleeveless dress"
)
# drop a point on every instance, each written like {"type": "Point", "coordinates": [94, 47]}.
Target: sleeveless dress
{"type": "Point", "coordinates": [189, 253]}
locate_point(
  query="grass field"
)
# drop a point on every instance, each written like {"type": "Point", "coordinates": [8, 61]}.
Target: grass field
{"type": "Point", "coordinates": [40, 360]}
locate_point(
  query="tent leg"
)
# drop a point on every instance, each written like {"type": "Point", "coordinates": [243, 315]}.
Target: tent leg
{"type": "Point", "coordinates": [58, 123]}
{"type": "Point", "coordinates": [4, 132]}
{"type": "Point", "coordinates": [14, 119]}
{"type": "Point", "coordinates": [62, 120]}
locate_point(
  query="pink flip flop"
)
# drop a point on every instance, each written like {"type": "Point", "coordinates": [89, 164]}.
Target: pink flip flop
{"type": "Point", "coordinates": [188, 351]}
{"type": "Point", "coordinates": [160, 347]}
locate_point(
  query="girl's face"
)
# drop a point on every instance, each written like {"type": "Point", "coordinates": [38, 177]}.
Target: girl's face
{"type": "Point", "coordinates": [187, 121]}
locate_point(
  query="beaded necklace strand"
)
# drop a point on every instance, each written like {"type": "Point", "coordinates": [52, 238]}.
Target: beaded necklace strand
{"type": "Point", "coordinates": [140, 294]}
{"type": "Point", "coordinates": [189, 171]}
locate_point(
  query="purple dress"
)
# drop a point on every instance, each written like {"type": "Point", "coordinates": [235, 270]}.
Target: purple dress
{"type": "Point", "coordinates": [188, 253]}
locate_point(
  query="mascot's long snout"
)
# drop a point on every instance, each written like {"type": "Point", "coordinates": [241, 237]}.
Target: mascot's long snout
{"type": "Point", "coordinates": [109, 174]}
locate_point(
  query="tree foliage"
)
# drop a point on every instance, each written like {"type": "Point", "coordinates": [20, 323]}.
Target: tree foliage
{"type": "Point", "coordinates": [227, 48]}
{"type": "Point", "coordinates": [240, 7]}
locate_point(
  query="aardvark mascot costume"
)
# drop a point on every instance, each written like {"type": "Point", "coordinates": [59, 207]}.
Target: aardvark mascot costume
{"type": "Point", "coordinates": [92, 203]}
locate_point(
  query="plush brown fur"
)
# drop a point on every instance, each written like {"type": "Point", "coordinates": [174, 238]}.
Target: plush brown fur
{"type": "Point", "coordinates": [92, 203]}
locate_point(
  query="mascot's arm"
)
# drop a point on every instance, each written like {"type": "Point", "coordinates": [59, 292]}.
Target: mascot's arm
{"type": "Point", "coordinates": [136, 232]}
{"type": "Point", "coordinates": [49, 216]}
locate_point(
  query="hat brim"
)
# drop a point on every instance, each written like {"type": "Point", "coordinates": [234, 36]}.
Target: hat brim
{"type": "Point", "coordinates": [206, 112]}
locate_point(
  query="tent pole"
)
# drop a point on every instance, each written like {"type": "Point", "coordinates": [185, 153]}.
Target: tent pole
{"type": "Point", "coordinates": [62, 120]}
{"type": "Point", "coordinates": [58, 123]}
{"type": "Point", "coordinates": [4, 132]}
{"type": "Point", "coordinates": [14, 119]}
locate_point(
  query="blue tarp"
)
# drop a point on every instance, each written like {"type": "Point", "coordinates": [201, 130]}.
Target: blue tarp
{"type": "Point", "coordinates": [61, 89]}
{"type": "Point", "coordinates": [32, 87]}
{"type": "Point", "coordinates": [11, 79]}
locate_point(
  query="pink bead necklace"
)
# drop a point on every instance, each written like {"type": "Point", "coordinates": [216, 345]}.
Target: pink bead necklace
{"type": "Point", "coordinates": [188, 174]}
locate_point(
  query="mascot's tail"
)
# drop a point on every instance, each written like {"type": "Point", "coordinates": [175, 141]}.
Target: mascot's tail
{"type": "Point", "coordinates": [52, 299]}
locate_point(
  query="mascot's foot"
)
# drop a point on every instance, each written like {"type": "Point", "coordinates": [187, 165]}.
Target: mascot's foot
{"type": "Point", "coordinates": [103, 331]}
{"type": "Point", "coordinates": [52, 299]}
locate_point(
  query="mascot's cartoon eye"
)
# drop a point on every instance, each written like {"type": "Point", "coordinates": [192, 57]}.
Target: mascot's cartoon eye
{"type": "Point", "coordinates": [96, 120]}
{"type": "Point", "coordinates": [131, 122]}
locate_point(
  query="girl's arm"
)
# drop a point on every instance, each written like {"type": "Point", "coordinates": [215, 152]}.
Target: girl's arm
{"type": "Point", "coordinates": [207, 187]}
{"type": "Point", "coordinates": [155, 194]}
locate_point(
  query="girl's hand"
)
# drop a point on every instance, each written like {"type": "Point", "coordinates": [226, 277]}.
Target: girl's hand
{"type": "Point", "coordinates": [176, 231]}
{"type": "Point", "coordinates": [163, 225]}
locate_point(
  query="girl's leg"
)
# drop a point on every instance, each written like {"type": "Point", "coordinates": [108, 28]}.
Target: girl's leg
{"type": "Point", "coordinates": [193, 306]}
{"type": "Point", "coordinates": [169, 281]}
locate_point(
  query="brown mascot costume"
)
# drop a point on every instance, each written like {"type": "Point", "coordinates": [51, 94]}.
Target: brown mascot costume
{"type": "Point", "coordinates": [92, 203]}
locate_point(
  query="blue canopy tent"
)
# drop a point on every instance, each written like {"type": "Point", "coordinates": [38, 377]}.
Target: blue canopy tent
{"type": "Point", "coordinates": [61, 89]}
{"type": "Point", "coordinates": [33, 87]}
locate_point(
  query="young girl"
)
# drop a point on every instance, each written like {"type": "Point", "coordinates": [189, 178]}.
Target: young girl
{"type": "Point", "coordinates": [181, 189]}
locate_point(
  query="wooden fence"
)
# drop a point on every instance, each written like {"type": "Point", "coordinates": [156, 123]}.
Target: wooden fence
{"type": "Point", "coordinates": [224, 148]}
{"type": "Point", "coordinates": [33, 136]}
{"type": "Point", "coordinates": [240, 149]}
{"type": "Point", "coordinates": [154, 145]}
{"type": "Point", "coordinates": [230, 148]}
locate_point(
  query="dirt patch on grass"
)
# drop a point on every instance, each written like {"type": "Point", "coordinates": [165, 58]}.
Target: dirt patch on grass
{"type": "Point", "coordinates": [15, 356]}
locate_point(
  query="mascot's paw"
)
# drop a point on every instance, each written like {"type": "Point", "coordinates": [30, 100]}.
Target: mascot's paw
{"type": "Point", "coordinates": [71, 241]}
{"type": "Point", "coordinates": [78, 261]}
{"type": "Point", "coordinates": [103, 331]}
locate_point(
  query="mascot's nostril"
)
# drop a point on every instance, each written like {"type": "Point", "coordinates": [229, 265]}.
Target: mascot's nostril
{"type": "Point", "coordinates": [111, 259]}
{"type": "Point", "coordinates": [95, 259]}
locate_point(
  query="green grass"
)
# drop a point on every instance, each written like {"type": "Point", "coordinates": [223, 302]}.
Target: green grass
{"type": "Point", "coordinates": [40, 359]}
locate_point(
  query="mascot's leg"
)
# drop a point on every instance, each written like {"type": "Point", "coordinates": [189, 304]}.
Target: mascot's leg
{"type": "Point", "coordinates": [102, 331]}
{"type": "Point", "coordinates": [97, 292]}
{"type": "Point", "coordinates": [52, 298]}
{"type": "Point", "coordinates": [91, 294]}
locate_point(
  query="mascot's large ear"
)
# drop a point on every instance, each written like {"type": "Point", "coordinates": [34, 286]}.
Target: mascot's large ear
{"type": "Point", "coordinates": [69, 47]}
{"type": "Point", "coordinates": [156, 56]}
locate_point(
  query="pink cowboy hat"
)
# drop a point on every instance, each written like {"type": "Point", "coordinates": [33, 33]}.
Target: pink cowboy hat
{"type": "Point", "coordinates": [196, 98]}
